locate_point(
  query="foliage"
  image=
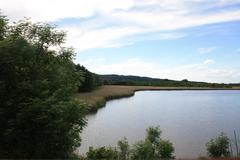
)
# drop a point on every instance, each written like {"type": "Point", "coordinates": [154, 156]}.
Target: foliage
{"type": "Point", "coordinates": [219, 146]}
{"type": "Point", "coordinates": [38, 116]}
{"type": "Point", "coordinates": [152, 148]}
{"type": "Point", "coordinates": [41, 35]}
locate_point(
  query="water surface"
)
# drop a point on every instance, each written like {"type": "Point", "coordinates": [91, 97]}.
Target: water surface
{"type": "Point", "coordinates": [187, 118]}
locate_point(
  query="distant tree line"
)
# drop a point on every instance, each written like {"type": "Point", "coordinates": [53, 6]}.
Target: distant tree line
{"type": "Point", "coordinates": [146, 81]}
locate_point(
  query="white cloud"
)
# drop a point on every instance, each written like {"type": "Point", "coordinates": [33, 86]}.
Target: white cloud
{"type": "Point", "coordinates": [172, 20]}
{"type": "Point", "coordinates": [51, 10]}
{"type": "Point", "coordinates": [166, 36]}
{"type": "Point", "coordinates": [209, 61]}
{"type": "Point", "coordinates": [115, 23]}
{"type": "Point", "coordinates": [206, 50]}
{"type": "Point", "coordinates": [83, 38]}
{"type": "Point", "coordinates": [197, 72]}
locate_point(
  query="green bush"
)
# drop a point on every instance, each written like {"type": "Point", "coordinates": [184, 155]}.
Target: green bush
{"type": "Point", "coordinates": [123, 148]}
{"type": "Point", "coordinates": [218, 147]}
{"type": "Point", "coordinates": [142, 150]}
{"type": "Point", "coordinates": [102, 153]}
{"type": "Point", "coordinates": [165, 149]}
{"type": "Point", "coordinates": [152, 148]}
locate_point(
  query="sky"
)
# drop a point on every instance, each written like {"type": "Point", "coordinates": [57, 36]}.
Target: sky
{"type": "Point", "coordinates": [198, 40]}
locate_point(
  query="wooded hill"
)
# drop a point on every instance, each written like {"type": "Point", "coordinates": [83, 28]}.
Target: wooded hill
{"type": "Point", "coordinates": [147, 81]}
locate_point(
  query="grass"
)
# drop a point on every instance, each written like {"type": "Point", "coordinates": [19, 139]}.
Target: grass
{"type": "Point", "coordinates": [98, 97]}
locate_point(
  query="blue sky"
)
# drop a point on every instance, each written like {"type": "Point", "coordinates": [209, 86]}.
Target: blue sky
{"type": "Point", "coordinates": [176, 39]}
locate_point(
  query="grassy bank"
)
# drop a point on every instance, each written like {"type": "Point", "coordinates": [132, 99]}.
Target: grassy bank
{"type": "Point", "coordinates": [98, 98]}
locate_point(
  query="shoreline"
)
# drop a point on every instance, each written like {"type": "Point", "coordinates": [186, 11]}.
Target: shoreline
{"type": "Point", "coordinates": [99, 97]}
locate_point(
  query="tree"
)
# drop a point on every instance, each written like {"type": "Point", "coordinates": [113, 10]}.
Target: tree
{"type": "Point", "coordinates": [38, 116]}
{"type": "Point", "coordinates": [88, 81]}
{"type": "Point", "coordinates": [41, 35]}
{"type": "Point", "coordinates": [219, 146]}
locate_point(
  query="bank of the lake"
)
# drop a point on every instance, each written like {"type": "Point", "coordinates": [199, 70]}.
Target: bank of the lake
{"type": "Point", "coordinates": [97, 98]}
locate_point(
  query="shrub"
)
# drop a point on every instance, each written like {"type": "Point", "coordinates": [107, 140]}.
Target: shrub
{"type": "Point", "coordinates": [219, 146]}
{"type": "Point", "coordinates": [152, 148]}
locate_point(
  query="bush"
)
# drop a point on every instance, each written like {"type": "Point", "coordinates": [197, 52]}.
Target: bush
{"type": "Point", "coordinates": [142, 150]}
{"type": "Point", "coordinates": [165, 149]}
{"type": "Point", "coordinates": [218, 147]}
{"type": "Point", "coordinates": [152, 148]}
{"type": "Point", "coordinates": [123, 148]}
{"type": "Point", "coordinates": [102, 153]}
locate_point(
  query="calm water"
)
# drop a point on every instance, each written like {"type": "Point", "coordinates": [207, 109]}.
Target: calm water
{"type": "Point", "coordinates": [188, 118]}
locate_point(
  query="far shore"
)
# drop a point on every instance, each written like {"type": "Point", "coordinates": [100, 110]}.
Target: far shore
{"type": "Point", "coordinates": [100, 96]}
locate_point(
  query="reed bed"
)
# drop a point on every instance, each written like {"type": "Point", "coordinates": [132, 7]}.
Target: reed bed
{"type": "Point", "coordinates": [98, 97]}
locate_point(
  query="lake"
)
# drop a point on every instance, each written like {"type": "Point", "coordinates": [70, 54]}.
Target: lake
{"type": "Point", "coordinates": [187, 118]}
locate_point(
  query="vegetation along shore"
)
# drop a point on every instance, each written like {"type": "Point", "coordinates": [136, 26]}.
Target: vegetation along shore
{"type": "Point", "coordinates": [97, 98]}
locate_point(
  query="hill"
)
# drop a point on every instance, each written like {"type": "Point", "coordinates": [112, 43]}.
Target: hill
{"type": "Point", "coordinates": [114, 79]}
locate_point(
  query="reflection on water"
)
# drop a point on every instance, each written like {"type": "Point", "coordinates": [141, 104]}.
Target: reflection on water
{"type": "Point", "coordinates": [188, 118]}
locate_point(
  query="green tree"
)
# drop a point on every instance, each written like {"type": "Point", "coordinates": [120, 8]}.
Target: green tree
{"type": "Point", "coordinates": [88, 81]}
{"type": "Point", "coordinates": [38, 116]}
{"type": "Point", "coordinates": [218, 147]}
{"type": "Point", "coordinates": [41, 35]}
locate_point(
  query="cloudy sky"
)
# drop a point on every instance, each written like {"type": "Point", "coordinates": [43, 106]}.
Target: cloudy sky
{"type": "Point", "coordinates": [175, 39]}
